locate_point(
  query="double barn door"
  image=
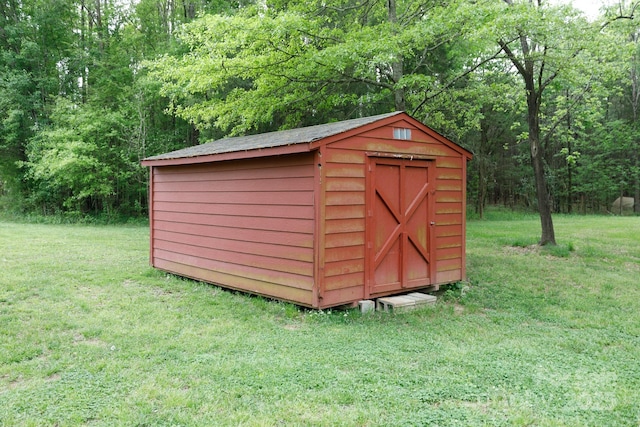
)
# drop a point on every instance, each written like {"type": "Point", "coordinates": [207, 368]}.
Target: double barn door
{"type": "Point", "coordinates": [399, 225]}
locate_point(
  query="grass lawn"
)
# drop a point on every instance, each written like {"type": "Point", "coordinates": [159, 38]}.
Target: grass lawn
{"type": "Point", "coordinates": [91, 335]}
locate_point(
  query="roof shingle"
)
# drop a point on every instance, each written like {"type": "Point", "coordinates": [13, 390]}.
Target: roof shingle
{"type": "Point", "coordinates": [271, 139]}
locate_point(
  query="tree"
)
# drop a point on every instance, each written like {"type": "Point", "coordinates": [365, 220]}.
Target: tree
{"type": "Point", "coordinates": [542, 43]}
{"type": "Point", "coordinates": [620, 23]}
{"type": "Point", "coordinates": [77, 111]}
{"type": "Point", "coordinates": [514, 81]}
{"type": "Point", "coordinates": [69, 164]}
{"type": "Point", "coordinates": [312, 62]}
{"type": "Point", "coordinates": [34, 34]}
{"type": "Point", "coordinates": [494, 92]}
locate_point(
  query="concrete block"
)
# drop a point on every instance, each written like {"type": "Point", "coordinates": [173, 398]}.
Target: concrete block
{"type": "Point", "coordinates": [423, 298]}
{"type": "Point", "coordinates": [405, 302]}
{"type": "Point", "coordinates": [366, 306]}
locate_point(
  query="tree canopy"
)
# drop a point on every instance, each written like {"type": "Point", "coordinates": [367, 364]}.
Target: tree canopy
{"type": "Point", "coordinates": [545, 98]}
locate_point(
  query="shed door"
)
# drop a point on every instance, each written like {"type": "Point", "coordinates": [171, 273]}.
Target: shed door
{"type": "Point", "coordinates": [398, 224]}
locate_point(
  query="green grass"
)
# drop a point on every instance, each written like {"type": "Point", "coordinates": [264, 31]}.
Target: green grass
{"type": "Point", "coordinates": [90, 335]}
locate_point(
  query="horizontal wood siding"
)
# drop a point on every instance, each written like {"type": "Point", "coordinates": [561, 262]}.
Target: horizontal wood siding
{"type": "Point", "coordinates": [450, 211]}
{"type": "Point", "coordinates": [345, 210]}
{"type": "Point", "coordinates": [344, 225]}
{"type": "Point", "coordinates": [245, 224]}
{"type": "Point", "coordinates": [299, 296]}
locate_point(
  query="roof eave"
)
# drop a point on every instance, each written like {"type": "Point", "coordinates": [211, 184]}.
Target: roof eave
{"type": "Point", "coordinates": [235, 155]}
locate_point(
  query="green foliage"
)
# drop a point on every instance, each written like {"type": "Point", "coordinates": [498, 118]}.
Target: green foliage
{"type": "Point", "coordinates": [150, 76]}
{"type": "Point", "coordinates": [264, 69]}
{"type": "Point", "coordinates": [237, 80]}
{"type": "Point", "coordinates": [32, 34]}
{"type": "Point", "coordinates": [77, 112]}
{"type": "Point", "coordinates": [68, 162]}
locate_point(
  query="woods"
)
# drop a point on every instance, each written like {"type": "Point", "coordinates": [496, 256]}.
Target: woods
{"type": "Point", "coordinates": [545, 98]}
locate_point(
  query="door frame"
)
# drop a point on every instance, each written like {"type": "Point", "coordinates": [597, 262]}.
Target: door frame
{"type": "Point", "coordinates": [374, 159]}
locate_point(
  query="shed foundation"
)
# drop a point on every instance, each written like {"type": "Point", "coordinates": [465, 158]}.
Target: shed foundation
{"type": "Point", "coordinates": [405, 302]}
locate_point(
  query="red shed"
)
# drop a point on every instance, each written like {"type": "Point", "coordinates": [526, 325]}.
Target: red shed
{"type": "Point", "coordinates": [321, 216]}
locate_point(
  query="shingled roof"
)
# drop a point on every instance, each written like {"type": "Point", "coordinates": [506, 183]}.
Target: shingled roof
{"type": "Point", "coordinates": [271, 139]}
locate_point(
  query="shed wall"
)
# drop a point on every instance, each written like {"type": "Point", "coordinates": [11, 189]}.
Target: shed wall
{"type": "Point", "coordinates": [345, 217]}
{"type": "Point", "coordinates": [246, 224]}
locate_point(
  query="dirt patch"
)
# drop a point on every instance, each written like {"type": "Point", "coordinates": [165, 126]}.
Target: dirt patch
{"type": "Point", "coordinates": [129, 283]}
{"type": "Point", "coordinates": [93, 342]}
{"type": "Point", "coordinates": [632, 266]}
{"type": "Point", "coordinates": [521, 250]}
{"type": "Point", "coordinates": [12, 383]}
{"type": "Point", "coordinates": [54, 377]}
{"type": "Point", "coordinates": [458, 309]}
{"type": "Point", "coordinates": [159, 292]}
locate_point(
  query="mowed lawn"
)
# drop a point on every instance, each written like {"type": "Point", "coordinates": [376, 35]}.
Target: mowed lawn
{"type": "Point", "coordinates": [91, 335]}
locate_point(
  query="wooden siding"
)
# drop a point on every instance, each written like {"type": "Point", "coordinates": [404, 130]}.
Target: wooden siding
{"type": "Point", "coordinates": [450, 218]}
{"type": "Point", "coordinates": [246, 224]}
{"type": "Point", "coordinates": [345, 210]}
{"type": "Point", "coordinates": [345, 220]}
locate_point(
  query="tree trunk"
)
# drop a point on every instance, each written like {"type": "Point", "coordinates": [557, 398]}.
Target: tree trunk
{"type": "Point", "coordinates": [635, 102]}
{"type": "Point", "coordinates": [569, 164]}
{"type": "Point", "coordinates": [542, 192]}
{"type": "Point", "coordinates": [397, 67]}
{"type": "Point", "coordinates": [482, 190]}
{"type": "Point", "coordinates": [481, 159]}
{"type": "Point", "coordinates": [636, 192]}
{"type": "Point", "coordinates": [636, 198]}
{"type": "Point", "coordinates": [527, 70]}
